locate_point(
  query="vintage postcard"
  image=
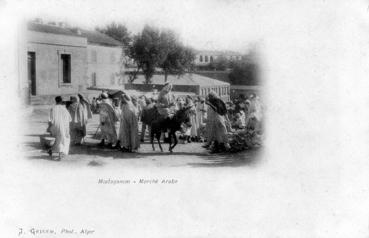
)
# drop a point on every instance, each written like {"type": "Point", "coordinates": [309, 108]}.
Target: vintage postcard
{"type": "Point", "coordinates": [218, 118]}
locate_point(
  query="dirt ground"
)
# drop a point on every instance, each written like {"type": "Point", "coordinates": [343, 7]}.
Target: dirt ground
{"type": "Point", "coordinates": [189, 154]}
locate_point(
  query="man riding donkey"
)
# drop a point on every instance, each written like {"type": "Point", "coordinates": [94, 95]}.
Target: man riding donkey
{"type": "Point", "coordinates": [166, 118]}
{"type": "Point", "coordinates": [166, 104]}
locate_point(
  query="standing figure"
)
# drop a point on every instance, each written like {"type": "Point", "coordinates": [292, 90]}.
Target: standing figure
{"type": "Point", "coordinates": [193, 119]}
{"type": "Point", "coordinates": [216, 130]}
{"type": "Point", "coordinates": [145, 117]}
{"type": "Point", "coordinates": [128, 132]}
{"type": "Point", "coordinates": [118, 112]}
{"type": "Point", "coordinates": [201, 114]}
{"type": "Point", "coordinates": [108, 118]}
{"type": "Point", "coordinates": [87, 112]}
{"type": "Point", "coordinates": [93, 105]}
{"type": "Point", "coordinates": [59, 128]}
{"type": "Point", "coordinates": [79, 121]}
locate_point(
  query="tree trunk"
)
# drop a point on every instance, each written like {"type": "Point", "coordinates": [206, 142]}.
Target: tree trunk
{"type": "Point", "coordinates": [165, 77]}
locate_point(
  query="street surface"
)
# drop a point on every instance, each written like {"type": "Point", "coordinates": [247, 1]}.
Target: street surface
{"type": "Point", "coordinates": [189, 154]}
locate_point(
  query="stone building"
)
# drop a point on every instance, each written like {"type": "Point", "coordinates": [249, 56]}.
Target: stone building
{"type": "Point", "coordinates": [104, 60]}
{"type": "Point", "coordinates": [66, 61]}
{"type": "Point", "coordinates": [205, 57]}
{"type": "Point", "coordinates": [56, 60]}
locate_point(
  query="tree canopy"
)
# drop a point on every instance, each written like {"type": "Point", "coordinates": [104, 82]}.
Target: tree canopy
{"type": "Point", "coordinates": [153, 49]}
{"type": "Point", "coordinates": [244, 72]}
{"type": "Point", "coordinates": [118, 32]}
{"type": "Point", "coordinates": [175, 58]}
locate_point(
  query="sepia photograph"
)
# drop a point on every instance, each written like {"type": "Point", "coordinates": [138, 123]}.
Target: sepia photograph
{"type": "Point", "coordinates": [184, 118]}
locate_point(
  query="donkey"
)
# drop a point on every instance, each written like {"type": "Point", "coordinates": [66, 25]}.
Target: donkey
{"type": "Point", "coordinates": [173, 124]}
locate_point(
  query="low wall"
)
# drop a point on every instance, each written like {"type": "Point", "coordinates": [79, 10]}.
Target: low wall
{"type": "Point", "coordinates": [219, 75]}
{"type": "Point", "coordinates": [150, 87]}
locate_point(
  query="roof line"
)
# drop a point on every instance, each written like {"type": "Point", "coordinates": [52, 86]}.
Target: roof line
{"type": "Point", "coordinates": [41, 43]}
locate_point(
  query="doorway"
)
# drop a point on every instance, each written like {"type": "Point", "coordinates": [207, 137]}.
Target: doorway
{"type": "Point", "coordinates": [32, 72]}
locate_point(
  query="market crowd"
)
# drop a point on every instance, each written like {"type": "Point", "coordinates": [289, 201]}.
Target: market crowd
{"type": "Point", "coordinates": [230, 126]}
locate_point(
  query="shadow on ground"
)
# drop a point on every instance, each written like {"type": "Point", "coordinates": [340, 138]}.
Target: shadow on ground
{"type": "Point", "coordinates": [202, 157]}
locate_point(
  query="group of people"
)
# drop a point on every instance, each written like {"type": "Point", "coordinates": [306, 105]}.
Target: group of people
{"type": "Point", "coordinates": [211, 119]}
{"type": "Point", "coordinates": [68, 123]}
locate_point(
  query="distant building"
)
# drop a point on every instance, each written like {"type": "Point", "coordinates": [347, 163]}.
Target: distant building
{"type": "Point", "coordinates": [65, 61]}
{"type": "Point", "coordinates": [206, 57]}
{"type": "Point", "coordinates": [104, 57]}
{"type": "Point", "coordinates": [187, 84]}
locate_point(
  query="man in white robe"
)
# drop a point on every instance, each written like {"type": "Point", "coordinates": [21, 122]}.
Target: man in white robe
{"type": "Point", "coordinates": [59, 127]}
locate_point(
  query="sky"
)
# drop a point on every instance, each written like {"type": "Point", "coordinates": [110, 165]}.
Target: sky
{"type": "Point", "coordinates": [207, 25]}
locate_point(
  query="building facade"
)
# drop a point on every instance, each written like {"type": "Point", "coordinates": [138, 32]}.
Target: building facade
{"type": "Point", "coordinates": [204, 57]}
{"type": "Point", "coordinates": [66, 61]}
{"type": "Point", "coordinates": [56, 61]}
{"type": "Point", "coordinates": [104, 60]}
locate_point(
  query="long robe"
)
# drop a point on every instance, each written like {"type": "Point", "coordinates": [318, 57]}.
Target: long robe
{"type": "Point", "coordinates": [108, 118]}
{"type": "Point", "coordinates": [216, 129]}
{"type": "Point", "coordinates": [78, 124]}
{"type": "Point", "coordinates": [201, 114]}
{"type": "Point", "coordinates": [118, 112]}
{"type": "Point", "coordinates": [193, 119]}
{"type": "Point", "coordinates": [128, 133]}
{"type": "Point", "coordinates": [59, 120]}
{"type": "Point", "coordinates": [87, 112]}
{"type": "Point", "coordinates": [165, 99]}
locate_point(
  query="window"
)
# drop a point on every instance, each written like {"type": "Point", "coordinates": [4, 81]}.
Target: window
{"type": "Point", "coordinates": [200, 58]}
{"type": "Point", "coordinates": [211, 59]}
{"type": "Point", "coordinates": [206, 58]}
{"type": "Point", "coordinates": [93, 56]}
{"type": "Point", "coordinates": [32, 71]}
{"type": "Point", "coordinates": [93, 79]}
{"type": "Point", "coordinates": [66, 69]}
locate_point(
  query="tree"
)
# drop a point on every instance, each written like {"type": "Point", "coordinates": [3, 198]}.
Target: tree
{"type": "Point", "coordinates": [244, 72]}
{"type": "Point", "coordinates": [118, 32]}
{"type": "Point", "coordinates": [153, 49]}
{"type": "Point", "coordinates": [175, 57]}
{"type": "Point", "coordinates": [146, 52]}
{"type": "Point", "coordinates": [220, 63]}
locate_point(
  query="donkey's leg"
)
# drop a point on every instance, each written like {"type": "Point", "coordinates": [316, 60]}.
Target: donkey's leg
{"type": "Point", "coordinates": [175, 140]}
{"type": "Point", "coordinates": [170, 141]}
{"type": "Point", "coordinates": [152, 139]}
{"type": "Point", "coordinates": [158, 135]}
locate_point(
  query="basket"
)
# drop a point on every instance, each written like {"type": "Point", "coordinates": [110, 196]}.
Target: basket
{"type": "Point", "coordinates": [47, 141]}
